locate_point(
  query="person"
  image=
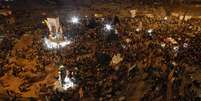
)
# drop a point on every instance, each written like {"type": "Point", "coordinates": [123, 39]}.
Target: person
{"type": "Point", "coordinates": [1, 3]}
{"type": "Point", "coordinates": [1, 71]}
{"type": "Point", "coordinates": [92, 23]}
{"type": "Point", "coordinates": [116, 20]}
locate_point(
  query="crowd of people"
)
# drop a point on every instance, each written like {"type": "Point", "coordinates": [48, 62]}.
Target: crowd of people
{"type": "Point", "coordinates": [160, 60]}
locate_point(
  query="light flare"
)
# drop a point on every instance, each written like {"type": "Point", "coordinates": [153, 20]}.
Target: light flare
{"type": "Point", "coordinates": [108, 27]}
{"type": "Point", "coordinates": [75, 20]}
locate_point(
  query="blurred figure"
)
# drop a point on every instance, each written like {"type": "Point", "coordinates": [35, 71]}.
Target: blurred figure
{"type": "Point", "coordinates": [116, 20]}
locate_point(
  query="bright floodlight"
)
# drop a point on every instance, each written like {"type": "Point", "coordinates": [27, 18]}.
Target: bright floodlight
{"type": "Point", "coordinates": [108, 27]}
{"type": "Point", "coordinates": [75, 20]}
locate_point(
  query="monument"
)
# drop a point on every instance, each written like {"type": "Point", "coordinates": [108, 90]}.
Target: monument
{"type": "Point", "coordinates": [56, 38]}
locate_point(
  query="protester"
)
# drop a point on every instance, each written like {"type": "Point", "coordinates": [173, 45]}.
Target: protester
{"type": "Point", "coordinates": [153, 62]}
